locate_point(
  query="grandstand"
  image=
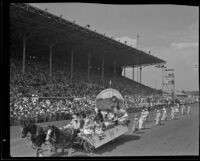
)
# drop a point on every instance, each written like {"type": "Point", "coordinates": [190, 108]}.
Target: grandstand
{"type": "Point", "coordinates": [53, 57]}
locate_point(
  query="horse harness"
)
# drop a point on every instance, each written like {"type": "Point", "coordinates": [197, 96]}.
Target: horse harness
{"type": "Point", "coordinates": [35, 136]}
{"type": "Point", "coordinates": [53, 139]}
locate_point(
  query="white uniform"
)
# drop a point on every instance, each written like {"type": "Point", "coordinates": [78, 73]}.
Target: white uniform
{"type": "Point", "coordinates": [158, 117]}
{"type": "Point", "coordinates": [172, 113]}
{"type": "Point", "coordinates": [87, 128]}
{"type": "Point", "coordinates": [164, 116]}
{"type": "Point", "coordinates": [188, 109]}
{"type": "Point", "coordinates": [141, 120]}
{"type": "Point", "coordinates": [183, 109]}
{"type": "Point", "coordinates": [136, 123]}
{"type": "Point", "coordinates": [146, 113]}
{"type": "Point", "coordinates": [104, 113]}
{"type": "Point", "coordinates": [177, 107]}
{"type": "Point", "coordinates": [74, 124]}
{"type": "Point", "coordinates": [122, 116]}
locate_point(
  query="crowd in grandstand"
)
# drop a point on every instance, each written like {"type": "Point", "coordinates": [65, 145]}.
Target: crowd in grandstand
{"type": "Point", "coordinates": [44, 110]}
{"type": "Point", "coordinates": [37, 81]}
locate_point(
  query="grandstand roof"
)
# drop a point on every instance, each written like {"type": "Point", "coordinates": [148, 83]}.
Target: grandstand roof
{"type": "Point", "coordinates": [24, 17]}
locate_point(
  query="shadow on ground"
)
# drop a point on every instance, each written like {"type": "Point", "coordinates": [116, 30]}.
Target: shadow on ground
{"type": "Point", "coordinates": [139, 132]}
{"type": "Point", "coordinates": [146, 128]}
{"type": "Point", "coordinates": [115, 143]}
{"type": "Point", "coordinates": [105, 148]}
{"type": "Point", "coordinates": [74, 154]}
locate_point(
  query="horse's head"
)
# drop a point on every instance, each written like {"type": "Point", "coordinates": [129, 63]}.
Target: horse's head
{"type": "Point", "coordinates": [50, 133]}
{"type": "Point", "coordinates": [24, 128]}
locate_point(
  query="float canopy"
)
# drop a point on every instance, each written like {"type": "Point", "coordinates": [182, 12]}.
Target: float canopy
{"type": "Point", "coordinates": [104, 98]}
{"type": "Point", "coordinates": [109, 93]}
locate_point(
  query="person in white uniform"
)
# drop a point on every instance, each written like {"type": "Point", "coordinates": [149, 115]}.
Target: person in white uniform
{"type": "Point", "coordinates": [136, 123]}
{"type": "Point", "coordinates": [188, 109]}
{"type": "Point", "coordinates": [141, 120]}
{"type": "Point", "coordinates": [146, 113]}
{"type": "Point", "coordinates": [172, 112]}
{"type": "Point", "coordinates": [121, 115]}
{"type": "Point", "coordinates": [164, 116]}
{"type": "Point", "coordinates": [177, 108]}
{"type": "Point", "coordinates": [182, 109]}
{"type": "Point", "coordinates": [74, 124]}
{"type": "Point", "coordinates": [158, 117]}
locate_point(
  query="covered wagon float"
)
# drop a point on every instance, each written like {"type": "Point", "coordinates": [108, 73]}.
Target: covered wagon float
{"type": "Point", "coordinates": [115, 121]}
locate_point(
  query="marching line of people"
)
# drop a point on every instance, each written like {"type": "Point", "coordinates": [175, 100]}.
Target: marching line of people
{"type": "Point", "coordinates": [139, 121]}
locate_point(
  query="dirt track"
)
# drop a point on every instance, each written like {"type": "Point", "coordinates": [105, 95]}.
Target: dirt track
{"type": "Point", "coordinates": [173, 137]}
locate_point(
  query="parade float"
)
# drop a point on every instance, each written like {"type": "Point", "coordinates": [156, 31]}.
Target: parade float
{"type": "Point", "coordinates": [113, 127]}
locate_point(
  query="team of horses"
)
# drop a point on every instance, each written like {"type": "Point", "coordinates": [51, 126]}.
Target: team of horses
{"type": "Point", "coordinates": [57, 138]}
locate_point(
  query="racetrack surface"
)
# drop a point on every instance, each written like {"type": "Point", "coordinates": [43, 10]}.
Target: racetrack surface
{"type": "Point", "coordinates": [173, 137]}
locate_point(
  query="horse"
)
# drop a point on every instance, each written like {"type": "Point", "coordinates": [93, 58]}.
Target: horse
{"type": "Point", "coordinates": [60, 139]}
{"type": "Point", "coordinates": [37, 135]}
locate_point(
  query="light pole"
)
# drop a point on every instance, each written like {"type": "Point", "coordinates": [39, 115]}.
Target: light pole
{"type": "Point", "coordinates": [161, 66]}
{"type": "Point", "coordinates": [155, 87]}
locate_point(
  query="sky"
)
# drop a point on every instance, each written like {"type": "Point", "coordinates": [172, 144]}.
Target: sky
{"type": "Point", "coordinates": [170, 32]}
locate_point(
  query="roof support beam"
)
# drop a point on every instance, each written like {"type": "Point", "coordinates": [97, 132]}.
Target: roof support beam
{"type": "Point", "coordinates": [124, 71]}
{"type": "Point", "coordinates": [51, 42]}
{"type": "Point", "coordinates": [50, 58]}
{"type": "Point", "coordinates": [114, 72]}
{"type": "Point", "coordinates": [24, 54]}
{"type": "Point", "coordinates": [50, 61]}
{"type": "Point", "coordinates": [72, 59]}
{"type": "Point", "coordinates": [137, 67]}
{"type": "Point", "coordinates": [133, 73]}
{"type": "Point", "coordinates": [102, 74]}
{"type": "Point", "coordinates": [140, 74]}
{"type": "Point", "coordinates": [25, 36]}
{"type": "Point", "coordinates": [89, 67]}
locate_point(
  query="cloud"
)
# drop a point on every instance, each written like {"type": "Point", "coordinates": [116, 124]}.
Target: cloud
{"type": "Point", "coordinates": [189, 33]}
{"type": "Point", "coordinates": [181, 45]}
{"type": "Point", "coordinates": [129, 41]}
